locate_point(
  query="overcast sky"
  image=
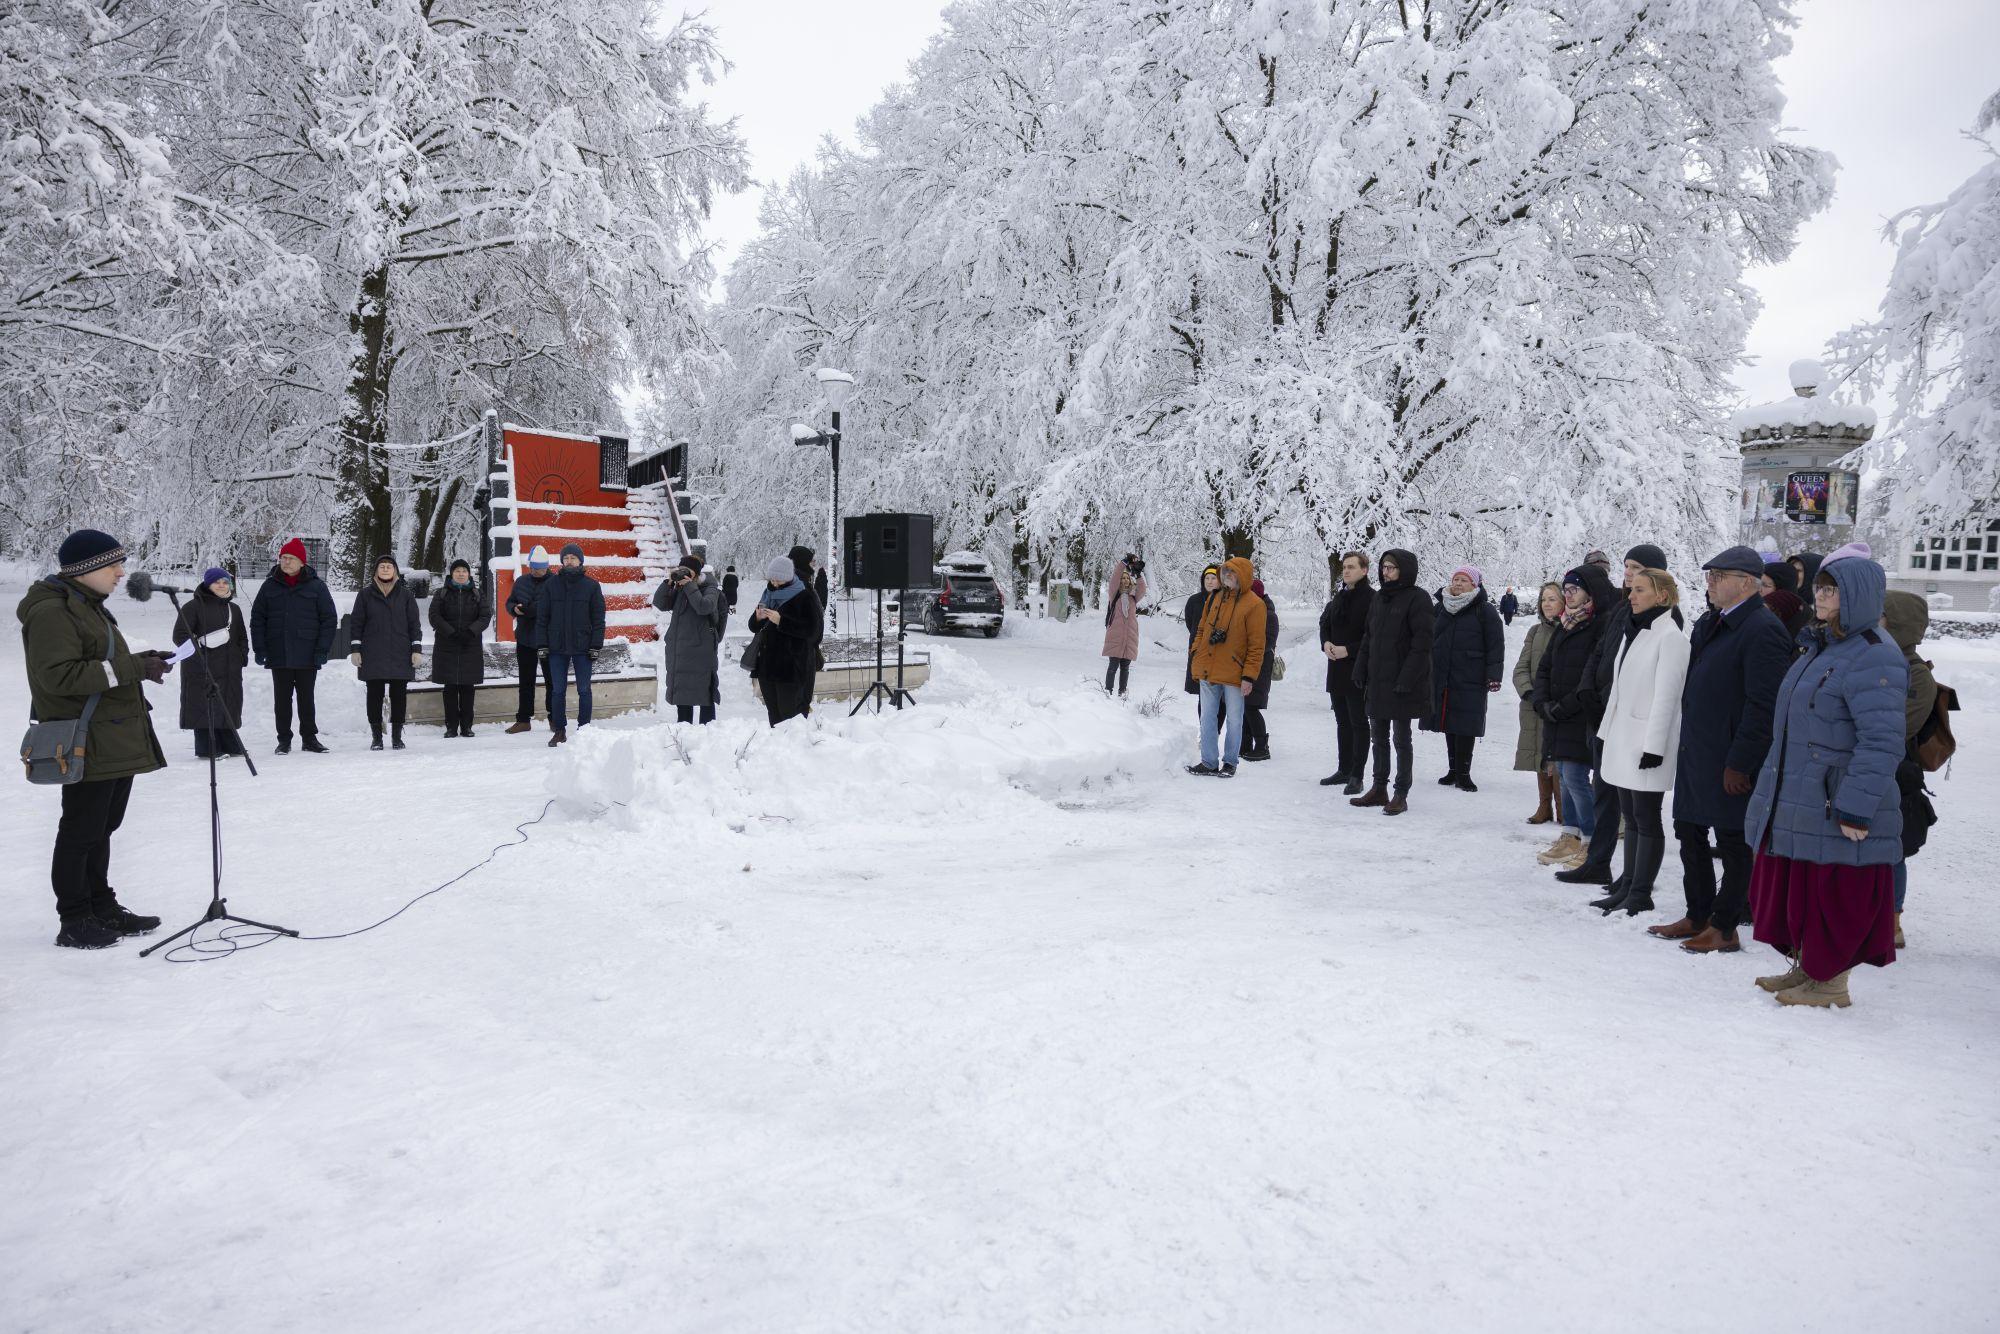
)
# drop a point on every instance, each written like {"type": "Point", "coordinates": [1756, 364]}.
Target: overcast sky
{"type": "Point", "coordinates": [1886, 85]}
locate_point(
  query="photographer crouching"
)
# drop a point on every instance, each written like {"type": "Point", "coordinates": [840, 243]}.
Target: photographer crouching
{"type": "Point", "coordinates": [80, 669]}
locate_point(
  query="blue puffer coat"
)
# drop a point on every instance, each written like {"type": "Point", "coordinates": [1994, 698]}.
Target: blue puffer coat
{"type": "Point", "coordinates": [569, 612]}
{"type": "Point", "coordinates": [1837, 737]}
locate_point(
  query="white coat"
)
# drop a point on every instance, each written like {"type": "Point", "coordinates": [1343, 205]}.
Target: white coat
{"type": "Point", "coordinates": [1643, 715]}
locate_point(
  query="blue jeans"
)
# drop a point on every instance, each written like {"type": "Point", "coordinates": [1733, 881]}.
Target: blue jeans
{"type": "Point", "coordinates": [1577, 806]}
{"type": "Point", "coordinates": [561, 665]}
{"type": "Point", "coordinates": [1226, 701]}
{"type": "Point", "coordinates": [1902, 883]}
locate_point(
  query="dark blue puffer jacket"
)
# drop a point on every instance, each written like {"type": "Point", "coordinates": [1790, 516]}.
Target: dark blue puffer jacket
{"type": "Point", "coordinates": [570, 611]}
{"type": "Point", "coordinates": [292, 625]}
{"type": "Point", "coordinates": [1837, 737]}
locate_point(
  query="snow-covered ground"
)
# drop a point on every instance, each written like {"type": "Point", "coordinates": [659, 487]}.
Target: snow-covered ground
{"type": "Point", "coordinates": [983, 1016]}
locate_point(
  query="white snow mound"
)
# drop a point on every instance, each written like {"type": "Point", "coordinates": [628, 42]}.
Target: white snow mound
{"type": "Point", "coordinates": [968, 747]}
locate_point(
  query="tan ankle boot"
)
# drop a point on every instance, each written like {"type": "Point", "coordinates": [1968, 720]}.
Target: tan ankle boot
{"type": "Point", "coordinates": [1830, 994]}
{"type": "Point", "coordinates": [1545, 792]}
{"type": "Point", "coordinates": [1791, 977]}
{"type": "Point", "coordinates": [1899, 931]}
{"type": "Point", "coordinates": [1565, 847]}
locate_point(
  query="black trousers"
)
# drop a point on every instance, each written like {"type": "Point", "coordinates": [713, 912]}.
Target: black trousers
{"type": "Point", "coordinates": [1256, 735]}
{"type": "Point", "coordinates": [458, 703]}
{"type": "Point", "coordinates": [288, 683]}
{"type": "Point", "coordinates": [1380, 731]}
{"type": "Point", "coordinates": [1641, 812]}
{"type": "Point", "coordinates": [217, 741]}
{"type": "Point", "coordinates": [81, 869]}
{"type": "Point", "coordinates": [1119, 670]}
{"type": "Point", "coordinates": [525, 659]}
{"type": "Point", "coordinates": [1350, 724]}
{"type": "Point", "coordinates": [1458, 750]}
{"type": "Point", "coordinates": [1724, 911]}
{"type": "Point", "coordinates": [399, 699]}
{"type": "Point", "coordinates": [1607, 812]}
{"type": "Point", "coordinates": [685, 713]}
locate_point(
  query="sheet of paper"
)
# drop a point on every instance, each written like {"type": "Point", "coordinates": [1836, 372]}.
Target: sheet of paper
{"type": "Point", "coordinates": [182, 652]}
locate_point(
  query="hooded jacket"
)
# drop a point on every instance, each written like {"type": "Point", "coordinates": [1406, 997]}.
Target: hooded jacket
{"type": "Point", "coordinates": [1239, 615]}
{"type": "Point", "coordinates": [1907, 618]}
{"type": "Point", "coordinates": [384, 629]}
{"type": "Point", "coordinates": [458, 618]}
{"type": "Point", "coordinates": [1837, 737]}
{"type": "Point", "coordinates": [1394, 663]}
{"type": "Point", "coordinates": [224, 652]}
{"type": "Point", "coordinates": [64, 630]}
{"type": "Point", "coordinates": [1565, 683]}
{"type": "Point", "coordinates": [569, 614]}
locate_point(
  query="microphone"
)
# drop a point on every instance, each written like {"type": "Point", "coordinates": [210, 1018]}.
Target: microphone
{"type": "Point", "coordinates": [142, 586]}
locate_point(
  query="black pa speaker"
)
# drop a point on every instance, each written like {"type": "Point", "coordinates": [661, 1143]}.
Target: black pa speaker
{"type": "Point", "coordinates": [890, 551]}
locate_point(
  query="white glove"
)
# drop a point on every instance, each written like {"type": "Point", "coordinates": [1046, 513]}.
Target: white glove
{"type": "Point", "coordinates": [416, 660]}
{"type": "Point", "coordinates": [354, 658]}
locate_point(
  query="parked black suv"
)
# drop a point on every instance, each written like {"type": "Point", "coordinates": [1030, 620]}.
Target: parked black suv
{"type": "Point", "coordinates": [963, 596]}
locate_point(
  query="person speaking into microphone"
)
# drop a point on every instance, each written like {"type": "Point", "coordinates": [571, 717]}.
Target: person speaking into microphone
{"type": "Point", "coordinates": [79, 666]}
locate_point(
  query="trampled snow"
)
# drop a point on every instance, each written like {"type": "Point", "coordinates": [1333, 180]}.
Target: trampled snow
{"type": "Point", "coordinates": [983, 1016]}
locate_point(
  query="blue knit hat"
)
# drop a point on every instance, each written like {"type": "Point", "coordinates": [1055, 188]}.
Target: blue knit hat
{"type": "Point", "coordinates": [85, 550]}
{"type": "Point", "coordinates": [215, 572]}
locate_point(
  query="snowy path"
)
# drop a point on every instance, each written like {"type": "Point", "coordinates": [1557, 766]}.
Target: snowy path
{"type": "Point", "coordinates": [1148, 1054]}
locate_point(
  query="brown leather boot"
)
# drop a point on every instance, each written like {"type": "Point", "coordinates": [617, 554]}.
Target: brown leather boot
{"type": "Point", "coordinates": [1681, 930]}
{"type": "Point", "coordinates": [519, 728]}
{"type": "Point", "coordinates": [1545, 791]}
{"type": "Point", "coordinates": [1713, 940]}
{"type": "Point", "coordinates": [1397, 805]}
{"type": "Point", "coordinates": [1377, 795]}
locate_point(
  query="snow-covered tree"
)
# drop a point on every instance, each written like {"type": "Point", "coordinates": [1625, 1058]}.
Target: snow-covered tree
{"type": "Point", "coordinates": [1192, 277]}
{"type": "Point", "coordinates": [1936, 349]}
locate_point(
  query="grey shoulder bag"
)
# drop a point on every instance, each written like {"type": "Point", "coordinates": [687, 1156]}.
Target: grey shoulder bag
{"type": "Point", "coordinates": [53, 752]}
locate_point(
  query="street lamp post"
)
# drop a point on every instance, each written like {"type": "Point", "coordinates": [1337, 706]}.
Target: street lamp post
{"type": "Point", "coordinates": [836, 385]}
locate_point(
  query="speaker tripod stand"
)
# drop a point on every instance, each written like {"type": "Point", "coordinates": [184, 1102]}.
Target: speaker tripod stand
{"type": "Point", "coordinates": [880, 691]}
{"type": "Point", "coordinates": [218, 907]}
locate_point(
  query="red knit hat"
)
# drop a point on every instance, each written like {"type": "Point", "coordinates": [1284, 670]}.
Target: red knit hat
{"type": "Point", "coordinates": [295, 548]}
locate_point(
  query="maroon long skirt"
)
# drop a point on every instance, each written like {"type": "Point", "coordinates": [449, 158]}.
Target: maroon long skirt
{"type": "Point", "coordinates": [1832, 917]}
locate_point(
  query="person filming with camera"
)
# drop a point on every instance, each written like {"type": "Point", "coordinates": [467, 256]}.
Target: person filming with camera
{"type": "Point", "coordinates": [693, 638]}
{"type": "Point", "coordinates": [1229, 653]}
{"type": "Point", "coordinates": [1126, 590]}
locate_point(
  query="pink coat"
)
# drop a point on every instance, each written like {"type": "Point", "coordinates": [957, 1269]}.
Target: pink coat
{"type": "Point", "coordinates": [1121, 633]}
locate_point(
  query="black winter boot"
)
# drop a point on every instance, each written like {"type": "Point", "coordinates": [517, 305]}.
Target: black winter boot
{"type": "Point", "coordinates": [121, 918]}
{"type": "Point", "coordinates": [396, 741]}
{"type": "Point", "coordinates": [376, 744]}
{"type": "Point", "coordinates": [1621, 888]}
{"type": "Point", "coordinates": [85, 933]}
{"type": "Point", "coordinates": [1646, 867]}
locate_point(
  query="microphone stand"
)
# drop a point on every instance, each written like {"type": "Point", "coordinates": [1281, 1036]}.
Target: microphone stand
{"type": "Point", "coordinates": [218, 907]}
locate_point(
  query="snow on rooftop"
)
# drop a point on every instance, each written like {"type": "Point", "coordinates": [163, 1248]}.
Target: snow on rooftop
{"type": "Point", "coordinates": [1804, 414]}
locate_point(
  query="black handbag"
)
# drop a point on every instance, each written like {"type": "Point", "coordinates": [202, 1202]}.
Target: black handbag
{"type": "Point", "coordinates": [750, 652]}
{"type": "Point", "coordinates": [54, 752]}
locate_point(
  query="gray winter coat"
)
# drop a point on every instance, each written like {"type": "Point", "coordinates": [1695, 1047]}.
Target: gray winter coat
{"type": "Point", "coordinates": [693, 639]}
{"type": "Point", "coordinates": [1837, 737]}
{"type": "Point", "coordinates": [385, 631]}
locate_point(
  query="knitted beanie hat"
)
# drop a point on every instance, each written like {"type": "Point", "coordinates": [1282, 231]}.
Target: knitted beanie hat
{"type": "Point", "coordinates": [1852, 551]}
{"type": "Point", "coordinates": [215, 572]}
{"type": "Point", "coordinates": [538, 559]}
{"type": "Point", "coordinates": [781, 570]}
{"type": "Point", "coordinates": [1471, 572]}
{"type": "Point", "coordinates": [296, 549]}
{"type": "Point", "coordinates": [1649, 556]}
{"type": "Point", "coordinates": [85, 550]}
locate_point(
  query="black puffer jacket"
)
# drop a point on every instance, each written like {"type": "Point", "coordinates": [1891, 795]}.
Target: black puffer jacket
{"type": "Point", "coordinates": [1467, 648]}
{"type": "Point", "coordinates": [1344, 623]}
{"type": "Point", "coordinates": [383, 628]}
{"type": "Point", "coordinates": [1394, 664]}
{"type": "Point", "coordinates": [1566, 694]}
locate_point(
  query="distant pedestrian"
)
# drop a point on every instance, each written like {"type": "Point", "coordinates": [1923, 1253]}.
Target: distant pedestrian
{"type": "Point", "coordinates": [1468, 655]}
{"type": "Point", "coordinates": [1394, 665]}
{"type": "Point", "coordinates": [292, 627]}
{"type": "Point", "coordinates": [788, 622]}
{"type": "Point", "coordinates": [385, 644]}
{"type": "Point", "coordinates": [211, 618]}
{"type": "Point", "coordinates": [571, 615]}
{"type": "Point", "coordinates": [1528, 741]}
{"type": "Point", "coordinates": [1123, 593]}
{"type": "Point", "coordinates": [1826, 819]}
{"type": "Point", "coordinates": [1737, 656]}
{"type": "Point", "coordinates": [1256, 733]}
{"type": "Point", "coordinates": [459, 619]}
{"type": "Point", "coordinates": [1641, 731]}
{"type": "Point", "coordinates": [1510, 606]}
{"type": "Point", "coordinates": [1211, 581]}
{"type": "Point", "coordinates": [730, 583]}
{"type": "Point", "coordinates": [1228, 656]}
{"type": "Point", "coordinates": [524, 605]}
{"type": "Point", "coordinates": [1342, 625]}
{"type": "Point", "coordinates": [691, 647]}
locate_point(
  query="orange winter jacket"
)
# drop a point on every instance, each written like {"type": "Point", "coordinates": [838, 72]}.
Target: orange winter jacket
{"type": "Point", "coordinates": [1240, 616]}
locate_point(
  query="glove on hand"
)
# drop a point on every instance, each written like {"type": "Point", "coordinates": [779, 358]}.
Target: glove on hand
{"type": "Point", "coordinates": [1651, 761]}
{"type": "Point", "coordinates": [1736, 783]}
{"type": "Point", "coordinates": [354, 658]}
{"type": "Point", "coordinates": [155, 666]}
